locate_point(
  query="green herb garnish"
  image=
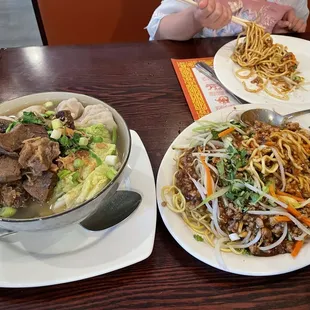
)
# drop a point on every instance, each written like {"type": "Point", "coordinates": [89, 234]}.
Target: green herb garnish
{"type": "Point", "coordinates": [31, 118]}
{"type": "Point", "coordinates": [71, 145]}
{"type": "Point", "coordinates": [198, 238]}
{"type": "Point", "coordinates": [215, 134]}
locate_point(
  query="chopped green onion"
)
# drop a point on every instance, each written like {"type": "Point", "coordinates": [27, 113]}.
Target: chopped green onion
{"type": "Point", "coordinates": [95, 156]}
{"type": "Point", "coordinates": [78, 163]}
{"type": "Point", "coordinates": [114, 135]}
{"type": "Point", "coordinates": [49, 104]}
{"type": "Point", "coordinates": [75, 177]}
{"type": "Point", "coordinates": [97, 139]}
{"type": "Point", "coordinates": [50, 113]}
{"type": "Point", "coordinates": [111, 160]}
{"type": "Point", "coordinates": [83, 141]}
{"type": "Point", "coordinates": [56, 134]}
{"type": "Point", "coordinates": [7, 212]}
{"type": "Point", "coordinates": [56, 123]}
{"type": "Point", "coordinates": [63, 173]}
{"type": "Point", "coordinates": [289, 237]}
{"type": "Point", "coordinates": [11, 126]}
{"type": "Point", "coordinates": [64, 141]}
{"type": "Point", "coordinates": [111, 173]}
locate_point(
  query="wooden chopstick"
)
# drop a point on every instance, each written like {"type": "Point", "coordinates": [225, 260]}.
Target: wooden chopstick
{"type": "Point", "coordinates": [189, 2]}
{"type": "Point", "coordinates": [236, 20]}
{"type": "Point", "coordinates": [240, 21]}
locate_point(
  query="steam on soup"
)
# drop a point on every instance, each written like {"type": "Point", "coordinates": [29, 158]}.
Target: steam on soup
{"type": "Point", "coordinates": [54, 157]}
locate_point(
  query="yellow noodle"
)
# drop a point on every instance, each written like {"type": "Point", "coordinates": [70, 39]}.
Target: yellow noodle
{"type": "Point", "coordinates": [258, 54]}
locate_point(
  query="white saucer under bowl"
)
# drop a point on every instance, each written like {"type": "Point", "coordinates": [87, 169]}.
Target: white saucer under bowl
{"type": "Point", "coordinates": [74, 253]}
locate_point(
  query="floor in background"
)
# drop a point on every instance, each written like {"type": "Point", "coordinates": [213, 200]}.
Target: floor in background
{"type": "Point", "coordinates": [18, 25]}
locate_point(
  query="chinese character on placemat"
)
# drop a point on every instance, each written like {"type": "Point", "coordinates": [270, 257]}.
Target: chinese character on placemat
{"type": "Point", "coordinates": [203, 96]}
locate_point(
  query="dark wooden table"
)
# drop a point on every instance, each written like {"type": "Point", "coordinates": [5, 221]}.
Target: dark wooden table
{"type": "Point", "coordinates": [139, 81]}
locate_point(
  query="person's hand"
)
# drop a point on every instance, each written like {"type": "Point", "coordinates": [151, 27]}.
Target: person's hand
{"type": "Point", "coordinates": [290, 22]}
{"type": "Point", "coordinates": [213, 15]}
{"type": "Point", "coordinates": [281, 27]}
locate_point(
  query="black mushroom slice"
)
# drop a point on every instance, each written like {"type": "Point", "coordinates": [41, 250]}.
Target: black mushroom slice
{"type": "Point", "coordinates": [37, 155]}
{"type": "Point", "coordinates": [13, 195]}
{"type": "Point", "coordinates": [10, 169]}
{"type": "Point", "coordinates": [66, 117]}
{"type": "Point", "coordinates": [41, 187]}
{"type": "Point", "coordinates": [13, 140]}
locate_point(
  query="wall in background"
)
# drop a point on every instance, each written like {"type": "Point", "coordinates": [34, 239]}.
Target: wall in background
{"type": "Point", "coordinates": [95, 21]}
{"type": "Point", "coordinates": [308, 28]}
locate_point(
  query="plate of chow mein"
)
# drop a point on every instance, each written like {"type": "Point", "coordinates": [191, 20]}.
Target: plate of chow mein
{"type": "Point", "coordinates": [237, 196]}
{"type": "Point", "coordinates": [262, 68]}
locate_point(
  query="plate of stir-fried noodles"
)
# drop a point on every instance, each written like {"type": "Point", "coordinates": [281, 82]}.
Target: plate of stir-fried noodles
{"type": "Point", "coordinates": [262, 68]}
{"type": "Point", "coordinates": [237, 196]}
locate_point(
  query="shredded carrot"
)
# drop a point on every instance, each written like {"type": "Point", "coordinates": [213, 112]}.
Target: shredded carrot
{"type": "Point", "coordinates": [226, 132]}
{"type": "Point", "coordinates": [297, 247]}
{"type": "Point", "coordinates": [293, 211]}
{"type": "Point", "coordinates": [208, 176]}
{"type": "Point", "coordinates": [272, 191]}
{"type": "Point", "coordinates": [291, 196]}
{"type": "Point", "coordinates": [298, 215]}
{"type": "Point", "coordinates": [269, 143]}
{"type": "Point", "coordinates": [282, 218]}
{"type": "Point", "coordinates": [290, 208]}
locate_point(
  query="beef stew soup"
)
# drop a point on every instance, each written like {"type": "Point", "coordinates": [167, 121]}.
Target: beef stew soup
{"type": "Point", "coordinates": [55, 156]}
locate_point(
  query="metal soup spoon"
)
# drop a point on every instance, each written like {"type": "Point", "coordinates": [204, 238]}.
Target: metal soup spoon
{"type": "Point", "coordinates": [113, 211]}
{"type": "Point", "coordinates": [268, 116]}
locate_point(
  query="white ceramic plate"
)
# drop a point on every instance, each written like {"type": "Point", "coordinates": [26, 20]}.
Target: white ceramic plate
{"type": "Point", "coordinates": [74, 253]}
{"type": "Point", "coordinates": [225, 68]}
{"type": "Point", "coordinates": [239, 264]}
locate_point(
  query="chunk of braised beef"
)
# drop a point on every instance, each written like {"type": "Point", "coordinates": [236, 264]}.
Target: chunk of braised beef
{"type": "Point", "coordinates": [13, 140]}
{"type": "Point", "coordinates": [38, 154]}
{"type": "Point", "coordinates": [13, 195]}
{"type": "Point", "coordinates": [10, 169]}
{"type": "Point", "coordinates": [66, 117]}
{"type": "Point", "coordinates": [41, 187]}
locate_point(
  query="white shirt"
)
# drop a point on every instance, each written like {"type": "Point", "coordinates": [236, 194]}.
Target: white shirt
{"type": "Point", "coordinates": [168, 7]}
